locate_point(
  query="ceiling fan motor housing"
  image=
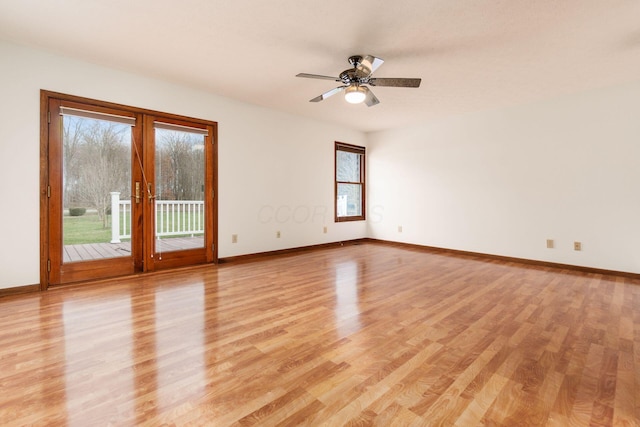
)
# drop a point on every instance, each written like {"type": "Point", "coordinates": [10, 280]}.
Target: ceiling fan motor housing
{"type": "Point", "coordinates": [349, 76]}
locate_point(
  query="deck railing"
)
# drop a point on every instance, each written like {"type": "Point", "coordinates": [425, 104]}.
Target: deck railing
{"type": "Point", "coordinates": [172, 217]}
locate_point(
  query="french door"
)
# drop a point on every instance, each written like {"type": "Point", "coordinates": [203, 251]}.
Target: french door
{"type": "Point", "coordinates": [125, 190]}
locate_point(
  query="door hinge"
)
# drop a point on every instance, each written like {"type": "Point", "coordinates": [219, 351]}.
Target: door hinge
{"type": "Point", "coordinates": [213, 247]}
{"type": "Point", "coordinates": [48, 191]}
{"type": "Point", "coordinates": [48, 116]}
{"type": "Point", "coordinates": [48, 265]}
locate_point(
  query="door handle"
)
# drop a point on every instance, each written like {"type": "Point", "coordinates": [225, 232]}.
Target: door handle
{"type": "Point", "coordinates": [137, 192]}
{"type": "Point", "coordinates": [151, 197]}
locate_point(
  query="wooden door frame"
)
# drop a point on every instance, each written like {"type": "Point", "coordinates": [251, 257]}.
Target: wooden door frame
{"type": "Point", "coordinates": [46, 174]}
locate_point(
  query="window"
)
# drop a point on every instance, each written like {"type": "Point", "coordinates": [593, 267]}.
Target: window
{"type": "Point", "coordinates": [350, 188]}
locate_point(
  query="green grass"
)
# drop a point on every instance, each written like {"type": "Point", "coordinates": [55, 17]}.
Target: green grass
{"type": "Point", "coordinates": [84, 229]}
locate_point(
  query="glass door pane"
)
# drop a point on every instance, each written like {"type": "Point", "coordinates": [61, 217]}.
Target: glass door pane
{"type": "Point", "coordinates": [96, 187]}
{"type": "Point", "coordinates": [180, 187]}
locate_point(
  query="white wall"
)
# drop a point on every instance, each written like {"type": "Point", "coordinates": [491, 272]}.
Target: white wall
{"type": "Point", "coordinates": [497, 182]}
{"type": "Point", "coordinates": [275, 170]}
{"type": "Point", "coordinates": [502, 182]}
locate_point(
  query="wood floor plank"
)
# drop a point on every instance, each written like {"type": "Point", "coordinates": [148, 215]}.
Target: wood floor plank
{"type": "Point", "coordinates": [365, 334]}
{"type": "Point", "coordinates": [626, 393]}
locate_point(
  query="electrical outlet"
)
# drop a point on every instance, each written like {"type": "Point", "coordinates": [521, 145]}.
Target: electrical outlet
{"type": "Point", "coordinates": [324, 230]}
{"type": "Point", "coordinates": [577, 246]}
{"type": "Point", "coordinates": [234, 238]}
{"type": "Point", "coordinates": [399, 229]}
{"type": "Point", "coordinates": [277, 234]}
{"type": "Point", "coordinates": [550, 243]}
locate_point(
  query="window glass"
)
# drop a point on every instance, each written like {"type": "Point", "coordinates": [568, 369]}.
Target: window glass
{"type": "Point", "coordinates": [96, 177]}
{"type": "Point", "coordinates": [349, 200]}
{"type": "Point", "coordinates": [348, 166]}
{"type": "Point", "coordinates": [180, 174]}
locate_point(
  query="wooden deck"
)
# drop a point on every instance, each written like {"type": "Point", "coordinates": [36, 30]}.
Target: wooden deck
{"type": "Point", "coordinates": [93, 251]}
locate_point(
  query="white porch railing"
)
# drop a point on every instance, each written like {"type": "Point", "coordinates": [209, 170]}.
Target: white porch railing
{"type": "Point", "coordinates": [173, 218]}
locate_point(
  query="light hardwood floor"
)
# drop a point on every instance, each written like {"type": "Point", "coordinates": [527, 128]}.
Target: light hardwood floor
{"type": "Point", "coordinates": [357, 335]}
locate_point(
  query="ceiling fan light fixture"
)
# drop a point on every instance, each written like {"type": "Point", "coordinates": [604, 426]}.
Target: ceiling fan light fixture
{"type": "Point", "coordinates": [355, 94]}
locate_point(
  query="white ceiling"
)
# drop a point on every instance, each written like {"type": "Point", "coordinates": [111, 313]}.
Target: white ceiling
{"type": "Point", "coordinates": [471, 54]}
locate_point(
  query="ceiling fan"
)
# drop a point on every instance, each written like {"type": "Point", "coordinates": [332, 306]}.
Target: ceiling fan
{"type": "Point", "coordinates": [355, 80]}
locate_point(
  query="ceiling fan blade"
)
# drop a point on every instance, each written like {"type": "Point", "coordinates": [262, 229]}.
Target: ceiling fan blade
{"type": "Point", "coordinates": [368, 65]}
{"type": "Point", "coordinates": [395, 82]}
{"type": "Point", "coordinates": [317, 76]}
{"type": "Point", "coordinates": [370, 99]}
{"type": "Point", "coordinates": [328, 94]}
